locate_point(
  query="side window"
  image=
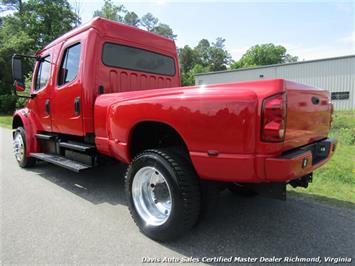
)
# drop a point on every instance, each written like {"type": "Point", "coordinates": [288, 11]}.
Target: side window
{"type": "Point", "coordinates": [69, 65]}
{"type": "Point", "coordinates": [43, 73]}
{"type": "Point", "coordinates": [122, 56]}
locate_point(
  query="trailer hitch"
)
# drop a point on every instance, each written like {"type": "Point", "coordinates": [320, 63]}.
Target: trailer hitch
{"type": "Point", "coordinates": [302, 181]}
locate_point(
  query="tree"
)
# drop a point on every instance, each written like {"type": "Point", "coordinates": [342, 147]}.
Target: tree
{"type": "Point", "coordinates": [164, 30]}
{"type": "Point", "coordinates": [264, 54]}
{"type": "Point", "coordinates": [40, 22]}
{"type": "Point", "coordinates": [13, 39]}
{"type": "Point", "coordinates": [11, 5]}
{"type": "Point", "coordinates": [202, 51]}
{"type": "Point", "coordinates": [214, 56]}
{"type": "Point", "coordinates": [76, 7]}
{"type": "Point", "coordinates": [45, 20]}
{"type": "Point", "coordinates": [111, 11]}
{"type": "Point", "coordinates": [187, 58]}
{"type": "Point", "coordinates": [188, 78]}
{"type": "Point", "coordinates": [149, 21]}
{"type": "Point", "coordinates": [219, 56]}
{"type": "Point", "coordinates": [203, 58]}
{"type": "Point", "coordinates": [131, 19]}
{"type": "Point", "coordinates": [219, 43]}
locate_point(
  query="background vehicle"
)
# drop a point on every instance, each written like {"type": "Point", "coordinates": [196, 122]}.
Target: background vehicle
{"type": "Point", "coordinates": [107, 89]}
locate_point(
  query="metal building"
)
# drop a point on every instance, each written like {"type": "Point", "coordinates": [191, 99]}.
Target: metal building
{"type": "Point", "coordinates": [334, 74]}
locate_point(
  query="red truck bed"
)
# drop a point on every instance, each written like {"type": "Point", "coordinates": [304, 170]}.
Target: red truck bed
{"type": "Point", "coordinates": [223, 119]}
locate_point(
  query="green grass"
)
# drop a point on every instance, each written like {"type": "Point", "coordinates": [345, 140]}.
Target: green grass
{"type": "Point", "coordinates": [336, 179]}
{"type": "Point", "coordinates": [6, 121]}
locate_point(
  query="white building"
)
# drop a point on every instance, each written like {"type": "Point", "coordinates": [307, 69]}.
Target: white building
{"type": "Point", "coordinates": [334, 74]}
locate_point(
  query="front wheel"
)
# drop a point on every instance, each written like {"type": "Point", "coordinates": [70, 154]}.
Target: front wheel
{"type": "Point", "coordinates": [163, 194]}
{"type": "Point", "coordinates": [19, 146]}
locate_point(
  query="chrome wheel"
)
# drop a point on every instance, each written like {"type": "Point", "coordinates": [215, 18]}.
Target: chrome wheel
{"type": "Point", "coordinates": [151, 196]}
{"type": "Point", "coordinates": [19, 147]}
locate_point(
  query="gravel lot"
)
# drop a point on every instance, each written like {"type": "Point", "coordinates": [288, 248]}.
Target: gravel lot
{"type": "Point", "coordinates": [51, 215]}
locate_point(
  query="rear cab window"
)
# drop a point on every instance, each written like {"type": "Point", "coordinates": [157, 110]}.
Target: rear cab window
{"type": "Point", "coordinates": [136, 59]}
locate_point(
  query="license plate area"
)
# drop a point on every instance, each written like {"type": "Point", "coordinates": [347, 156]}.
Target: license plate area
{"type": "Point", "coordinates": [320, 150]}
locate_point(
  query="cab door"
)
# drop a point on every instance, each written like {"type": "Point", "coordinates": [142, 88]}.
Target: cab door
{"type": "Point", "coordinates": [41, 91]}
{"type": "Point", "coordinates": [67, 117]}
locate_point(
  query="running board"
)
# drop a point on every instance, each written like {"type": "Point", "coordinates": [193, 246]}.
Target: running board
{"type": "Point", "coordinates": [61, 161]}
{"type": "Point", "coordinates": [45, 137]}
{"type": "Point", "coordinates": [77, 146]}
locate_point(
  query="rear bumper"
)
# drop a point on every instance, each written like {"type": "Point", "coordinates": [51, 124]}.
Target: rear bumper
{"type": "Point", "coordinates": [258, 168]}
{"type": "Point", "coordinates": [299, 162]}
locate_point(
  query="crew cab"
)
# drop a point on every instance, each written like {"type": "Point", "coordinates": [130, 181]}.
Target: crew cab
{"type": "Point", "coordinates": [106, 89]}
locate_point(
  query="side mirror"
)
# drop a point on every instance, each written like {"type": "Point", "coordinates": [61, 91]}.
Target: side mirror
{"type": "Point", "coordinates": [19, 86]}
{"type": "Point", "coordinates": [17, 71]}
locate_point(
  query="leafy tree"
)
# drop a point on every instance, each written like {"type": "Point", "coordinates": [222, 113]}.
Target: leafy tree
{"type": "Point", "coordinates": [214, 56]}
{"type": "Point", "coordinates": [264, 54]}
{"type": "Point", "coordinates": [11, 5]}
{"type": "Point", "coordinates": [111, 11]}
{"type": "Point", "coordinates": [131, 19]}
{"type": "Point", "coordinates": [188, 78]}
{"type": "Point", "coordinates": [149, 21]}
{"type": "Point", "coordinates": [13, 39]}
{"type": "Point", "coordinates": [40, 22]}
{"type": "Point", "coordinates": [290, 58]}
{"type": "Point", "coordinates": [219, 43]}
{"type": "Point", "coordinates": [45, 20]}
{"type": "Point", "coordinates": [164, 30]}
{"type": "Point", "coordinates": [202, 51]}
{"type": "Point", "coordinates": [203, 58]}
{"type": "Point", "coordinates": [187, 58]}
{"type": "Point", "coordinates": [219, 59]}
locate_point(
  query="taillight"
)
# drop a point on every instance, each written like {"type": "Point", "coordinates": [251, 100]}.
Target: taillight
{"type": "Point", "coordinates": [331, 114]}
{"type": "Point", "coordinates": [273, 118]}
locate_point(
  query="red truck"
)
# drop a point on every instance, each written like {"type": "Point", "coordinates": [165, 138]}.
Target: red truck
{"type": "Point", "coordinates": [106, 89]}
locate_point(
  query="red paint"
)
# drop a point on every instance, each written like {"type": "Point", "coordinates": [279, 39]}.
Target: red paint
{"type": "Point", "coordinates": [224, 118]}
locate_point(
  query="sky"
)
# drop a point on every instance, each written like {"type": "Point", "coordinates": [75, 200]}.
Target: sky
{"type": "Point", "coordinates": [308, 29]}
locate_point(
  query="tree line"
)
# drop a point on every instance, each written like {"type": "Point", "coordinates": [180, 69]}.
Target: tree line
{"type": "Point", "coordinates": [32, 24]}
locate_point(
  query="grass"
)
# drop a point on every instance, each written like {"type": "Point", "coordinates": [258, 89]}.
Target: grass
{"type": "Point", "coordinates": [6, 121]}
{"type": "Point", "coordinates": [335, 180]}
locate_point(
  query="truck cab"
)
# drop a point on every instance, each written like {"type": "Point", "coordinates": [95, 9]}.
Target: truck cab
{"type": "Point", "coordinates": [106, 89]}
{"type": "Point", "coordinates": [89, 61]}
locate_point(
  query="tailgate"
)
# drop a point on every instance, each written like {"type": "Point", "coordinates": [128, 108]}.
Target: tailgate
{"type": "Point", "coordinates": [308, 115]}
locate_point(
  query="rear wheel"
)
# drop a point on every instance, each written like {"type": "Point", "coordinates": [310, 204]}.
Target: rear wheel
{"type": "Point", "coordinates": [163, 194]}
{"type": "Point", "coordinates": [19, 147]}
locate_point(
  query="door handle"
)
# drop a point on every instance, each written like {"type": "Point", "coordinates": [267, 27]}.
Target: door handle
{"type": "Point", "coordinates": [47, 106]}
{"type": "Point", "coordinates": [101, 89]}
{"type": "Point", "coordinates": [77, 106]}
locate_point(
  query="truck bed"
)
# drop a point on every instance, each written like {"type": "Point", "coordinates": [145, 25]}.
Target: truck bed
{"type": "Point", "coordinates": [220, 124]}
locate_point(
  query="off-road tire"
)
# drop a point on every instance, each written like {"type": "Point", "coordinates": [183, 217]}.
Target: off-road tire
{"type": "Point", "coordinates": [185, 193]}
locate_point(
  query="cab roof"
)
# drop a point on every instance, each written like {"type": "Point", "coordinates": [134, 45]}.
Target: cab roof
{"type": "Point", "coordinates": [114, 29]}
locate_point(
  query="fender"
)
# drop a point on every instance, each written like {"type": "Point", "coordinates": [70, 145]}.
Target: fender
{"type": "Point", "coordinates": [117, 114]}
{"type": "Point", "coordinates": [30, 124]}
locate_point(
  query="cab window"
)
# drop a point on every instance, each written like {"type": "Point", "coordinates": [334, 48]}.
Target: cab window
{"type": "Point", "coordinates": [43, 73]}
{"type": "Point", "coordinates": [136, 59]}
{"type": "Point", "coordinates": [70, 64]}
